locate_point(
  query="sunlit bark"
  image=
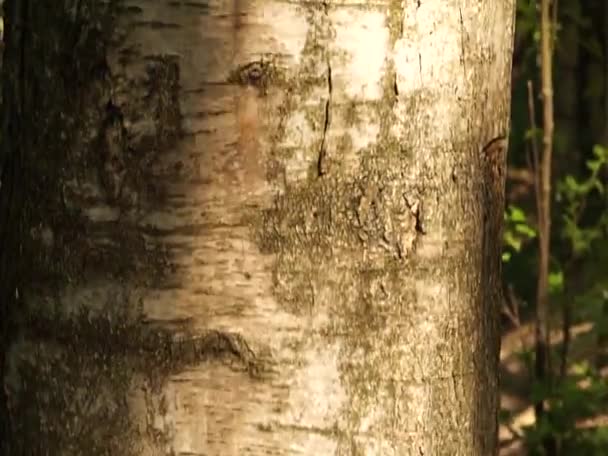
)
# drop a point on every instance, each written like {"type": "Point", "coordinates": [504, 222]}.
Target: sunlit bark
{"type": "Point", "coordinates": [276, 217]}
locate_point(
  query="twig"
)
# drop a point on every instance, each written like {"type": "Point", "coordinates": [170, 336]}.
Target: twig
{"type": "Point", "coordinates": [542, 361]}
{"type": "Point", "coordinates": [566, 323]}
{"type": "Point", "coordinates": [511, 308]}
{"type": "Point", "coordinates": [534, 146]}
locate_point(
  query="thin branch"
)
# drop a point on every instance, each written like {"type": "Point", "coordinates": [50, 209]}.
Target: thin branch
{"type": "Point", "coordinates": [510, 307]}
{"type": "Point", "coordinates": [534, 166]}
{"type": "Point", "coordinates": [542, 361]}
{"type": "Point", "coordinates": [566, 324]}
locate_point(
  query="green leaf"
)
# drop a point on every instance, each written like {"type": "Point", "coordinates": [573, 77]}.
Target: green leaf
{"type": "Point", "coordinates": [516, 214]}
{"type": "Point", "coordinates": [525, 230]}
{"type": "Point", "coordinates": [600, 152]}
{"type": "Point", "coordinates": [556, 282]}
{"type": "Point", "coordinates": [512, 241]}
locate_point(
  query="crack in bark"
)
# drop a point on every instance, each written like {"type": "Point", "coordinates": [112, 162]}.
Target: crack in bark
{"type": "Point", "coordinates": [322, 151]}
{"type": "Point", "coordinates": [462, 42]}
{"type": "Point", "coordinates": [395, 85]}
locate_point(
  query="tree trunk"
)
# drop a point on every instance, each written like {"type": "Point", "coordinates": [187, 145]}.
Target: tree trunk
{"type": "Point", "coordinates": [257, 227]}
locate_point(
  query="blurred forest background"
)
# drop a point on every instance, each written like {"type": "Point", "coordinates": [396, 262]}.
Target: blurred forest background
{"type": "Point", "coordinates": [558, 405]}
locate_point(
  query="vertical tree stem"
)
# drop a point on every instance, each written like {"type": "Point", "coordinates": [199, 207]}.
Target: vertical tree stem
{"type": "Point", "coordinates": [544, 207]}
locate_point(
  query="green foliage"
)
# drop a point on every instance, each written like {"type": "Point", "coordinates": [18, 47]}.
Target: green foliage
{"type": "Point", "coordinates": [556, 282]}
{"type": "Point", "coordinates": [578, 279]}
{"type": "Point", "coordinates": [573, 195]}
{"type": "Point", "coordinates": [577, 399]}
{"type": "Point", "coordinates": [582, 394]}
{"type": "Point", "coordinates": [527, 21]}
{"type": "Point", "coordinates": [517, 231]}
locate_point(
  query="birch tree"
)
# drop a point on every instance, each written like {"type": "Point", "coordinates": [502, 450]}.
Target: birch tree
{"type": "Point", "coordinates": [254, 227]}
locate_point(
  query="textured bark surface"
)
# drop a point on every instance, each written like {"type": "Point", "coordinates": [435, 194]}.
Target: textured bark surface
{"type": "Point", "coordinates": [261, 227]}
{"type": "Point", "coordinates": [11, 197]}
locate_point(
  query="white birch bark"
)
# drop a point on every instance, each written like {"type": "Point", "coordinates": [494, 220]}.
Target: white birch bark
{"type": "Point", "coordinates": [303, 180]}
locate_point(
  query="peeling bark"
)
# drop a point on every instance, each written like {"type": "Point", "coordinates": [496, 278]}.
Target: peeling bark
{"type": "Point", "coordinates": [261, 227]}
